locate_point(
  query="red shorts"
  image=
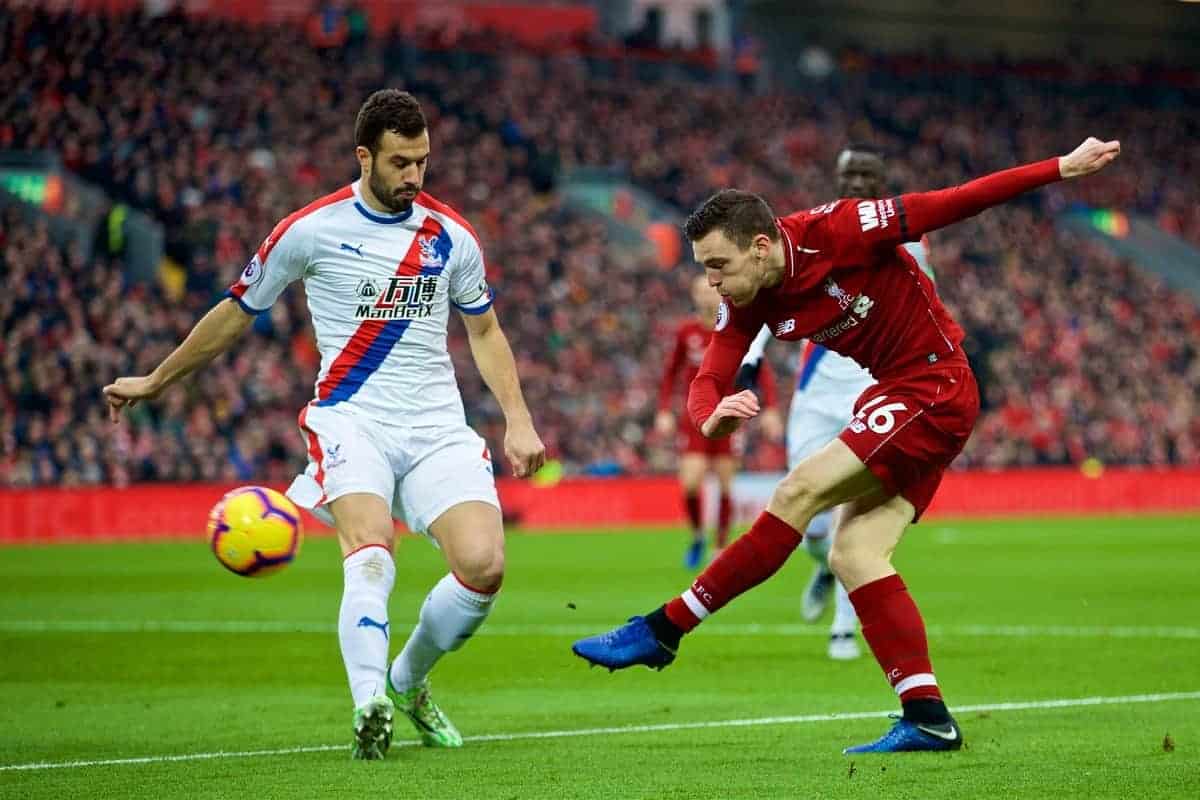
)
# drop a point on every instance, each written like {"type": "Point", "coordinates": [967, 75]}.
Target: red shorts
{"type": "Point", "coordinates": [692, 440]}
{"type": "Point", "coordinates": [908, 429]}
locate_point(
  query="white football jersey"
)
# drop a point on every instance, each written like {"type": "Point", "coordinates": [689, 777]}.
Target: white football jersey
{"type": "Point", "coordinates": [379, 288]}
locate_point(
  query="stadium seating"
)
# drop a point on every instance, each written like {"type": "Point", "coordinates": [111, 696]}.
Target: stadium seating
{"type": "Point", "coordinates": [1079, 353]}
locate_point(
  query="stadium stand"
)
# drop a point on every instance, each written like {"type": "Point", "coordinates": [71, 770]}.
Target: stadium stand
{"type": "Point", "coordinates": [1080, 354]}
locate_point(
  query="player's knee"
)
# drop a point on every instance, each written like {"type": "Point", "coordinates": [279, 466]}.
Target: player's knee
{"type": "Point", "coordinates": [690, 480]}
{"type": "Point", "coordinates": [841, 562]}
{"type": "Point", "coordinates": [482, 568]}
{"type": "Point", "coordinates": [362, 532]}
{"type": "Point", "coordinates": [796, 497]}
{"type": "Point", "coordinates": [849, 561]}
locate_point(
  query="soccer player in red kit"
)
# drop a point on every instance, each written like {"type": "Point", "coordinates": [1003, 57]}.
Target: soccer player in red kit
{"type": "Point", "coordinates": [836, 275]}
{"type": "Point", "coordinates": [698, 453]}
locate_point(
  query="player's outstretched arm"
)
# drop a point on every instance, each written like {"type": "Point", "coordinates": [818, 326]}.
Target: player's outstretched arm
{"type": "Point", "coordinates": [494, 360]}
{"type": "Point", "coordinates": [211, 336]}
{"type": "Point", "coordinates": [922, 212]}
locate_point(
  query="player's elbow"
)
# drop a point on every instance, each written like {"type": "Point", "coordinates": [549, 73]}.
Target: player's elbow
{"type": "Point", "coordinates": [222, 326]}
{"type": "Point", "coordinates": [232, 313]}
{"type": "Point", "coordinates": [482, 326]}
{"type": "Point", "coordinates": [698, 416]}
{"type": "Point", "coordinates": [237, 320]}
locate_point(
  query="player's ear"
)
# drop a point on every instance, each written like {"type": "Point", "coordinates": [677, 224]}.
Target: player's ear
{"type": "Point", "coordinates": [760, 246]}
{"type": "Point", "coordinates": [364, 159]}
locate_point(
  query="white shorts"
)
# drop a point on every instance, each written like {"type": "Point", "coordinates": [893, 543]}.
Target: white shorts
{"type": "Point", "coordinates": [421, 472]}
{"type": "Point", "coordinates": [815, 419]}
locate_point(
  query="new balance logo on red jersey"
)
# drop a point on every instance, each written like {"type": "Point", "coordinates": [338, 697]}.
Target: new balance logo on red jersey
{"type": "Point", "coordinates": [785, 327]}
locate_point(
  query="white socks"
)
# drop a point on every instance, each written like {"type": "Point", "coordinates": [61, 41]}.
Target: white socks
{"type": "Point", "coordinates": [845, 618]}
{"type": "Point", "coordinates": [819, 537]}
{"type": "Point", "coordinates": [450, 614]}
{"type": "Point", "coordinates": [363, 620]}
{"type": "Point", "coordinates": [817, 541]}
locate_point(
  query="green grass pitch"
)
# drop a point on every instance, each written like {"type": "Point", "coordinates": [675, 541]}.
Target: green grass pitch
{"type": "Point", "coordinates": [151, 651]}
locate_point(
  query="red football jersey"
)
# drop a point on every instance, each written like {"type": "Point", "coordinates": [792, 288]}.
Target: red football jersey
{"type": "Point", "coordinates": [691, 342]}
{"type": "Point", "coordinates": [848, 285]}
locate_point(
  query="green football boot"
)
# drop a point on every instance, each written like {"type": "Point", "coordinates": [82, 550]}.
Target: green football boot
{"type": "Point", "coordinates": [373, 728]}
{"type": "Point", "coordinates": [417, 704]}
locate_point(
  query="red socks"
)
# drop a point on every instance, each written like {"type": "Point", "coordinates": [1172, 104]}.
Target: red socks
{"type": "Point", "coordinates": [749, 561]}
{"type": "Point", "coordinates": [724, 515]}
{"type": "Point", "coordinates": [891, 623]}
{"type": "Point", "coordinates": [893, 628]}
{"type": "Point", "coordinates": [691, 502]}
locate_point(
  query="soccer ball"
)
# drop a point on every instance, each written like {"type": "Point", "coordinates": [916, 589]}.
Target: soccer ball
{"type": "Point", "coordinates": [254, 531]}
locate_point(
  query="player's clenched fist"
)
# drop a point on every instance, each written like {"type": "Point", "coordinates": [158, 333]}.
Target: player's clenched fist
{"type": "Point", "coordinates": [729, 413]}
{"type": "Point", "coordinates": [524, 449]}
{"type": "Point", "coordinates": [1091, 156]}
{"type": "Point", "coordinates": [127, 392]}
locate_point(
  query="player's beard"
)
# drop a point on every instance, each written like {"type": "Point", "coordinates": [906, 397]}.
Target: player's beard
{"type": "Point", "coordinates": [391, 198]}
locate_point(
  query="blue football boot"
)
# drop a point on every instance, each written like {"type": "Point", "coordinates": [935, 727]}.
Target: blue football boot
{"type": "Point", "coordinates": [632, 643]}
{"type": "Point", "coordinates": [694, 556]}
{"type": "Point", "coordinates": [907, 736]}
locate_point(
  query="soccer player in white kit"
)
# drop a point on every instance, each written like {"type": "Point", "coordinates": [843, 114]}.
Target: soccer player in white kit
{"type": "Point", "coordinates": [827, 384]}
{"type": "Point", "coordinates": [382, 262]}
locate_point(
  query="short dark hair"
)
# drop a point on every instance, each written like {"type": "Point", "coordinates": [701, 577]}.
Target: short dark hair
{"type": "Point", "coordinates": [739, 215]}
{"type": "Point", "coordinates": [387, 110]}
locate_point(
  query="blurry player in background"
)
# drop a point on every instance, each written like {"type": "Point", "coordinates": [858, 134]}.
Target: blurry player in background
{"type": "Point", "coordinates": [836, 274]}
{"type": "Point", "coordinates": [382, 262]}
{"type": "Point", "coordinates": [827, 385]}
{"type": "Point", "coordinates": [698, 454]}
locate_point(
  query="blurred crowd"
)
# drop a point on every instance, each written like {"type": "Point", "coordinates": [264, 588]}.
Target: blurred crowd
{"type": "Point", "coordinates": [218, 131]}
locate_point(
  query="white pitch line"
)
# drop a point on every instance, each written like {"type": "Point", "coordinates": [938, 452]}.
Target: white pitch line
{"type": "Point", "coordinates": [502, 629]}
{"type": "Point", "coordinates": [1069, 702]}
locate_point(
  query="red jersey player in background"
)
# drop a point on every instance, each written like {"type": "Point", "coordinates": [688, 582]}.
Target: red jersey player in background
{"type": "Point", "coordinates": [699, 454]}
{"type": "Point", "coordinates": [837, 276]}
